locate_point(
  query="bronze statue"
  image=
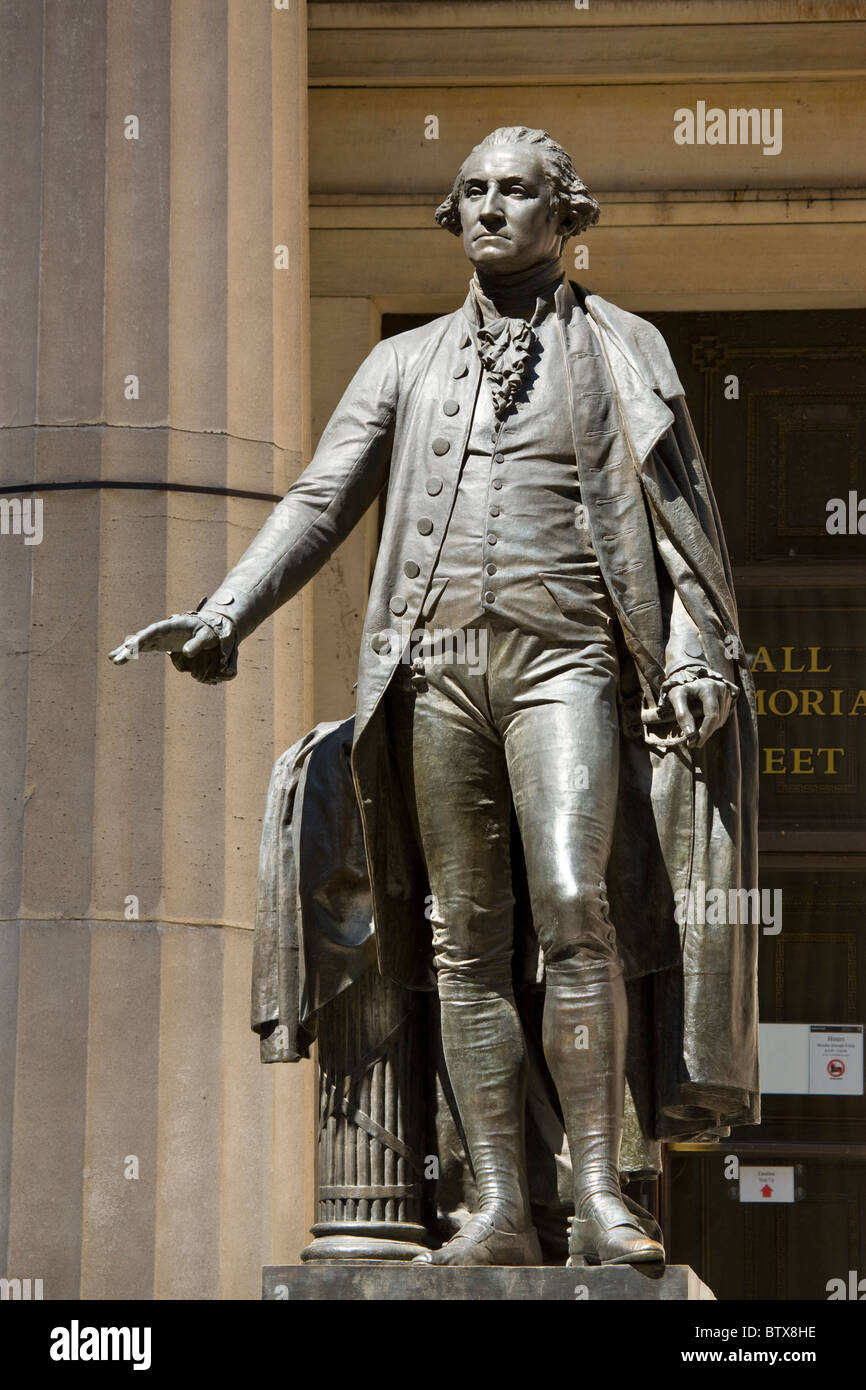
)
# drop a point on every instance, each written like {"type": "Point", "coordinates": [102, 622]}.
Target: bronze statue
{"type": "Point", "coordinates": [551, 634]}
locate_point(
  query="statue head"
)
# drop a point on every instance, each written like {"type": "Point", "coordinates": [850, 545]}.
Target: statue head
{"type": "Point", "coordinates": [516, 200]}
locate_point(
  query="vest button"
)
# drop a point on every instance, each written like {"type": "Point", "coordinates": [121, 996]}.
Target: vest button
{"type": "Point", "coordinates": [440, 447]}
{"type": "Point", "coordinates": [491, 539]}
{"type": "Point", "coordinates": [434, 486]}
{"type": "Point", "coordinates": [490, 597]}
{"type": "Point", "coordinates": [380, 642]}
{"type": "Point", "coordinates": [425, 526]}
{"type": "Point", "coordinates": [450, 407]}
{"type": "Point", "coordinates": [491, 569]}
{"type": "Point", "coordinates": [460, 371]}
{"type": "Point", "coordinates": [494, 511]}
{"type": "Point", "coordinates": [498, 458]}
{"type": "Point", "coordinates": [398, 606]}
{"type": "Point", "coordinates": [497, 483]}
{"type": "Point", "coordinates": [411, 570]}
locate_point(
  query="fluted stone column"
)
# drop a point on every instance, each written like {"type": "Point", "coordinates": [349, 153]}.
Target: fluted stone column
{"type": "Point", "coordinates": [151, 339]}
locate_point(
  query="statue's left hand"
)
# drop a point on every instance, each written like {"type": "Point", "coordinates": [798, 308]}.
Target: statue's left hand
{"type": "Point", "coordinates": [710, 699]}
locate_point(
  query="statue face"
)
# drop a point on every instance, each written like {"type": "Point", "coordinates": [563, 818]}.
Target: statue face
{"type": "Point", "coordinates": [505, 209]}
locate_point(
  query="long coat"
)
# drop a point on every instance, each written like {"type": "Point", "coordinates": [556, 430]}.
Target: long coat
{"type": "Point", "coordinates": [686, 820]}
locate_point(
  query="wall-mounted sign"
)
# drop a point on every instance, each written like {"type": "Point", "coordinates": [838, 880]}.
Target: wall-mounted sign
{"type": "Point", "coordinates": [811, 1059]}
{"type": "Point", "coordinates": [835, 1059]}
{"type": "Point", "coordinates": [766, 1184]}
{"type": "Point", "coordinates": [806, 651]}
{"type": "Point", "coordinates": [784, 1052]}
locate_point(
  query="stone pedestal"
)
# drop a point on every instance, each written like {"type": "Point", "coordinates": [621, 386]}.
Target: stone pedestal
{"type": "Point", "coordinates": [543, 1283]}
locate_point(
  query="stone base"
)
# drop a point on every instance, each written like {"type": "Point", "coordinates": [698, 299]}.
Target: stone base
{"type": "Point", "coordinates": [350, 1249]}
{"type": "Point", "coordinates": [550, 1283]}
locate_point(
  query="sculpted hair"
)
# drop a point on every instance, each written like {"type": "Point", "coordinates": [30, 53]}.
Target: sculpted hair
{"type": "Point", "coordinates": [569, 195]}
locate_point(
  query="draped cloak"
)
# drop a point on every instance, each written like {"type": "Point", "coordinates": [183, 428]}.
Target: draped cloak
{"type": "Point", "coordinates": [345, 883]}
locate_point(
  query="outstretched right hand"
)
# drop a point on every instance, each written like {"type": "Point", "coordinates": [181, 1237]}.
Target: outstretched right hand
{"type": "Point", "coordinates": [183, 632]}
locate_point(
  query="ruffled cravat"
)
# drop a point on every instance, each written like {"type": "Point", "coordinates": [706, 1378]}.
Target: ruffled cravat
{"type": "Point", "coordinates": [505, 347]}
{"type": "Point", "coordinates": [504, 337]}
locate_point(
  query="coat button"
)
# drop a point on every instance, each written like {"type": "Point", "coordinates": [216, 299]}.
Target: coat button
{"type": "Point", "coordinates": [497, 483]}
{"type": "Point", "coordinates": [411, 570]}
{"type": "Point", "coordinates": [498, 458]}
{"type": "Point", "coordinates": [440, 447]}
{"type": "Point", "coordinates": [398, 606]}
{"type": "Point", "coordinates": [434, 486]}
{"type": "Point", "coordinates": [490, 597]}
{"type": "Point", "coordinates": [224, 596]}
{"type": "Point", "coordinates": [380, 642]}
{"type": "Point", "coordinates": [491, 539]}
{"type": "Point", "coordinates": [494, 511]}
{"type": "Point", "coordinates": [460, 371]}
{"type": "Point", "coordinates": [450, 407]}
{"type": "Point", "coordinates": [491, 569]}
{"type": "Point", "coordinates": [425, 526]}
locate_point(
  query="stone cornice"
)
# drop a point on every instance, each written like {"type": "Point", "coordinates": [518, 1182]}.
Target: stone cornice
{"type": "Point", "coordinates": [521, 44]}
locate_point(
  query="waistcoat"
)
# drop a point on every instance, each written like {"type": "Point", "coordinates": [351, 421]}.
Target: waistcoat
{"type": "Point", "coordinates": [517, 545]}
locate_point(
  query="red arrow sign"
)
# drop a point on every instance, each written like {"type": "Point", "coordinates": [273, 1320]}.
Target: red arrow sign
{"type": "Point", "coordinates": [766, 1190]}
